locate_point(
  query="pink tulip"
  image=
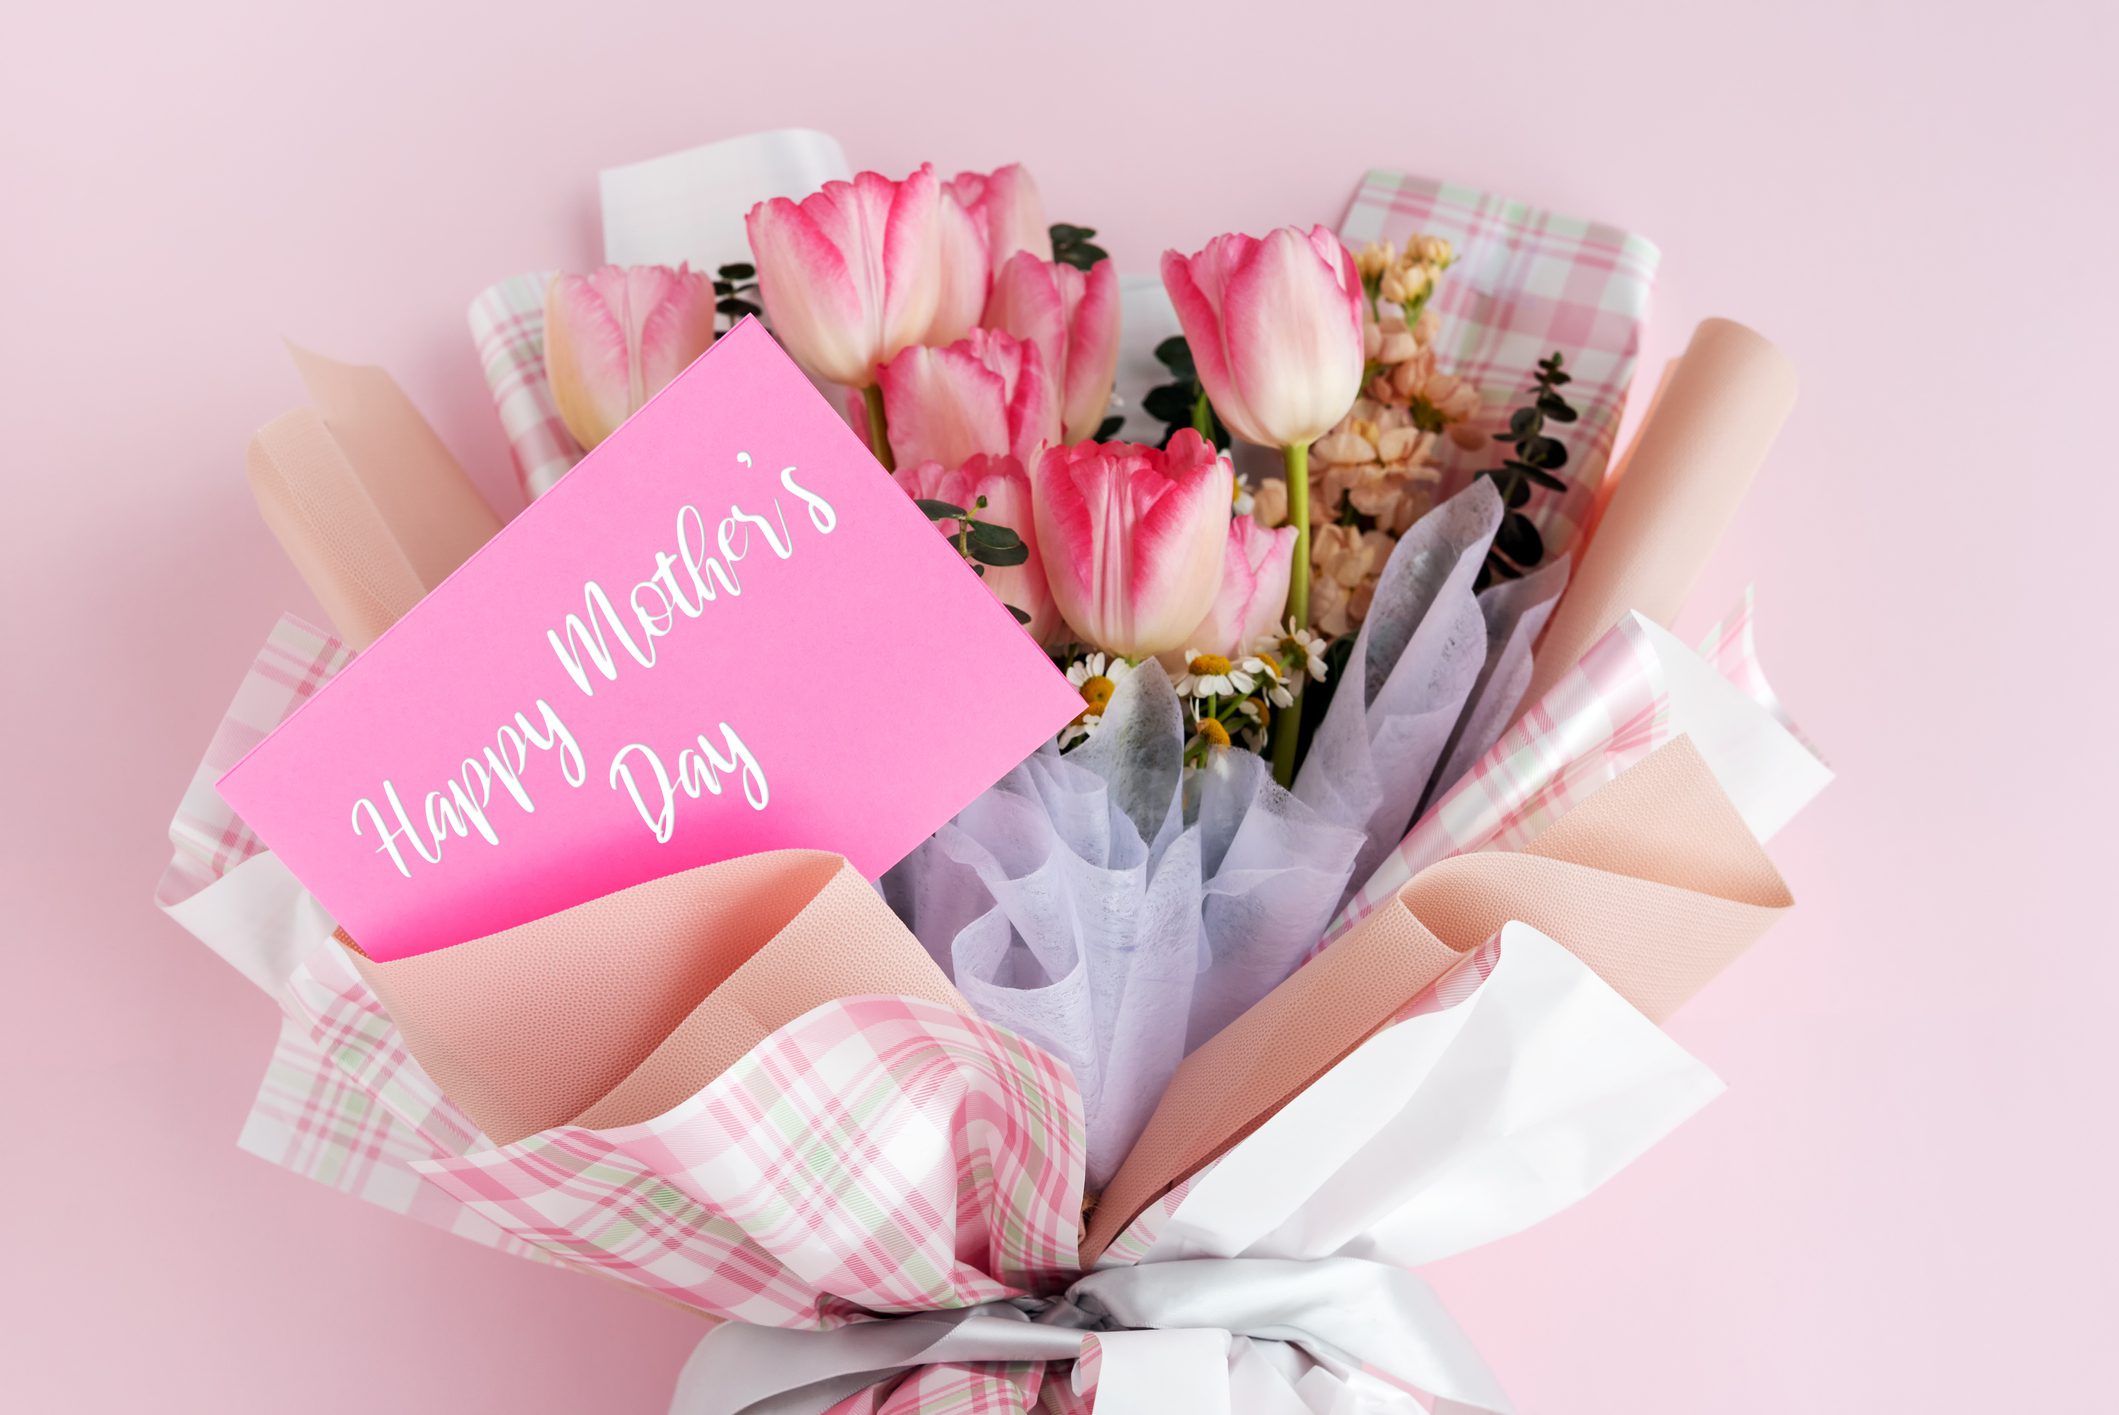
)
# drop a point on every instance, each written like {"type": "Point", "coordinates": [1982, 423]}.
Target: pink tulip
{"type": "Point", "coordinates": [853, 273]}
{"type": "Point", "coordinates": [1133, 538]}
{"type": "Point", "coordinates": [987, 393]}
{"type": "Point", "coordinates": [1254, 590]}
{"type": "Point", "coordinates": [614, 337]}
{"type": "Point", "coordinates": [966, 272]}
{"type": "Point", "coordinates": [1006, 487]}
{"type": "Point", "coordinates": [1005, 202]}
{"type": "Point", "coordinates": [1275, 330]}
{"type": "Point", "coordinates": [1072, 317]}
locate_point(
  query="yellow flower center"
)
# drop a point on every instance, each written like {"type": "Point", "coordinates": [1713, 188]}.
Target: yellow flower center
{"type": "Point", "coordinates": [1213, 733]}
{"type": "Point", "coordinates": [1208, 664]}
{"type": "Point", "coordinates": [1096, 692]}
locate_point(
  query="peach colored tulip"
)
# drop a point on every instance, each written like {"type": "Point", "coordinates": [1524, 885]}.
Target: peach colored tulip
{"type": "Point", "coordinates": [1006, 487]}
{"type": "Point", "coordinates": [614, 337]}
{"type": "Point", "coordinates": [987, 393]}
{"type": "Point", "coordinates": [1275, 327]}
{"type": "Point", "coordinates": [852, 274]}
{"type": "Point", "coordinates": [1132, 538]}
{"type": "Point", "coordinates": [1005, 202]}
{"type": "Point", "coordinates": [1254, 590]}
{"type": "Point", "coordinates": [1072, 317]}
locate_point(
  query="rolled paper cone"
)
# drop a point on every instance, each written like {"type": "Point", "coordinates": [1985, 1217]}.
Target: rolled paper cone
{"type": "Point", "coordinates": [1654, 881]}
{"type": "Point", "coordinates": [613, 1011]}
{"type": "Point", "coordinates": [364, 498]}
{"type": "Point", "coordinates": [1708, 431]}
{"type": "Point", "coordinates": [312, 500]}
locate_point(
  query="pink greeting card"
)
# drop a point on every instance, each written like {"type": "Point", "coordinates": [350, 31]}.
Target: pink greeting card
{"type": "Point", "coordinates": [727, 630]}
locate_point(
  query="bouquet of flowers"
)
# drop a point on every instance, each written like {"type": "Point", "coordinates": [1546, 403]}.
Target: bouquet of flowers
{"type": "Point", "coordinates": [1330, 936]}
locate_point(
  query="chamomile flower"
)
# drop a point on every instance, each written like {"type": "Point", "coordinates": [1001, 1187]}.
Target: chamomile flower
{"type": "Point", "coordinates": [1266, 670]}
{"type": "Point", "coordinates": [1209, 675]}
{"type": "Point", "coordinates": [1307, 649]}
{"type": "Point", "coordinates": [1096, 677]}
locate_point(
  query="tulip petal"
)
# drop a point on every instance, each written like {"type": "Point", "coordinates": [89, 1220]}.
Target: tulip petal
{"type": "Point", "coordinates": [1255, 569]}
{"type": "Point", "coordinates": [1092, 348]}
{"type": "Point", "coordinates": [966, 273]}
{"type": "Point", "coordinates": [672, 312]}
{"type": "Point", "coordinates": [1133, 538]}
{"type": "Point", "coordinates": [1006, 487]}
{"type": "Point", "coordinates": [1292, 328]}
{"type": "Point", "coordinates": [943, 405]}
{"type": "Point", "coordinates": [911, 270]}
{"type": "Point", "coordinates": [808, 288]}
{"type": "Point", "coordinates": [586, 355]}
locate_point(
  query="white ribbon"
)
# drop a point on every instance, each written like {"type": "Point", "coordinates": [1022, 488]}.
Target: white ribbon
{"type": "Point", "coordinates": [1165, 1331]}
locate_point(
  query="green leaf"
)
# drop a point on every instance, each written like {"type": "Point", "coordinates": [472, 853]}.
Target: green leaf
{"type": "Point", "coordinates": [1525, 422]}
{"type": "Point", "coordinates": [1544, 478]}
{"type": "Point", "coordinates": [1108, 428]}
{"type": "Point", "coordinates": [1175, 355]}
{"type": "Point", "coordinates": [1519, 540]}
{"type": "Point", "coordinates": [997, 537]}
{"type": "Point", "coordinates": [732, 306]}
{"type": "Point", "coordinates": [939, 510]}
{"type": "Point", "coordinates": [738, 270]}
{"type": "Point", "coordinates": [999, 555]}
{"type": "Point", "coordinates": [1170, 403]}
{"type": "Point", "coordinates": [1021, 617]}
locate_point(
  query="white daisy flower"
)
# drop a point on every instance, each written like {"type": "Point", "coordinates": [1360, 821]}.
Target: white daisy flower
{"type": "Point", "coordinates": [1309, 650]}
{"type": "Point", "coordinates": [1267, 672]}
{"type": "Point", "coordinates": [1209, 675]}
{"type": "Point", "coordinates": [1096, 677]}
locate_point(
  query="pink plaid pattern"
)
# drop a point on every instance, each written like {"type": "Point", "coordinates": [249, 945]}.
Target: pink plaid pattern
{"type": "Point", "coordinates": [1526, 282]}
{"type": "Point", "coordinates": [296, 660]}
{"type": "Point", "coordinates": [876, 1155]}
{"type": "Point", "coordinates": [507, 324]}
{"type": "Point", "coordinates": [994, 1388]}
{"type": "Point", "coordinates": [1729, 647]}
{"type": "Point", "coordinates": [1606, 713]}
{"type": "Point", "coordinates": [309, 1116]}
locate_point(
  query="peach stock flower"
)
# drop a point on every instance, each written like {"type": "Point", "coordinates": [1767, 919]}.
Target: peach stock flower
{"type": "Point", "coordinates": [614, 337]}
{"type": "Point", "coordinates": [1072, 317]}
{"type": "Point", "coordinates": [1133, 538]}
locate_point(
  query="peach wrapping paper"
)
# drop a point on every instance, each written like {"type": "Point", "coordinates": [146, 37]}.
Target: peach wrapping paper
{"type": "Point", "coordinates": [1654, 881]}
{"type": "Point", "coordinates": [1715, 414]}
{"type": "Point", "coordinates": [614, 1011]}
{"type": "Point", "coordinates": [363, 497]}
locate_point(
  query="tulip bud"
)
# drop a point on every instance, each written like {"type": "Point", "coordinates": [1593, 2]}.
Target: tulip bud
{"type": "Point", "coordinates": [1133, 538]}
{"type": "Point", "coordinates": [614, 337]}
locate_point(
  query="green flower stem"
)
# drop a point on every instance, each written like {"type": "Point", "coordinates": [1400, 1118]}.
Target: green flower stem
{"type": "Point", "coordinates": [878, 428]}
{"type": "Point", "coordinates": [1287, 722]}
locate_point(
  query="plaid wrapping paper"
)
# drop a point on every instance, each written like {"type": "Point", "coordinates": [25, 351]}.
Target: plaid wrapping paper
{"type": "Point", "coordinates": [507, 325]}
{"type": "Point", "coordinates": [309, 1116]}
{"type": "Point", "coordinates": [1609, 711]}
{"type": "Point", "coordinates": [1526, 282]}
{"type": "Point", "coordinates": [875, 1155]}
{"type": "Point", "coordinates": [209, 841]}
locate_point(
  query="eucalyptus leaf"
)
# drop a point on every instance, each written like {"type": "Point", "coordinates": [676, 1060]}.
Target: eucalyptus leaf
{"type": "Point", "coordinates": [939, 510]}
{"type": "Point", "coordinates": [1000, 555]}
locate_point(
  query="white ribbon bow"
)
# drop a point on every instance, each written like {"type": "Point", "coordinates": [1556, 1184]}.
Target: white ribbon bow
{"type": "Point", "coordinates": [1165, 1331]}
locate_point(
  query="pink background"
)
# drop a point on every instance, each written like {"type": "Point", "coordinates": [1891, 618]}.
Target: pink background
{"type": "Point", "coordinates": [1907, 1194]}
